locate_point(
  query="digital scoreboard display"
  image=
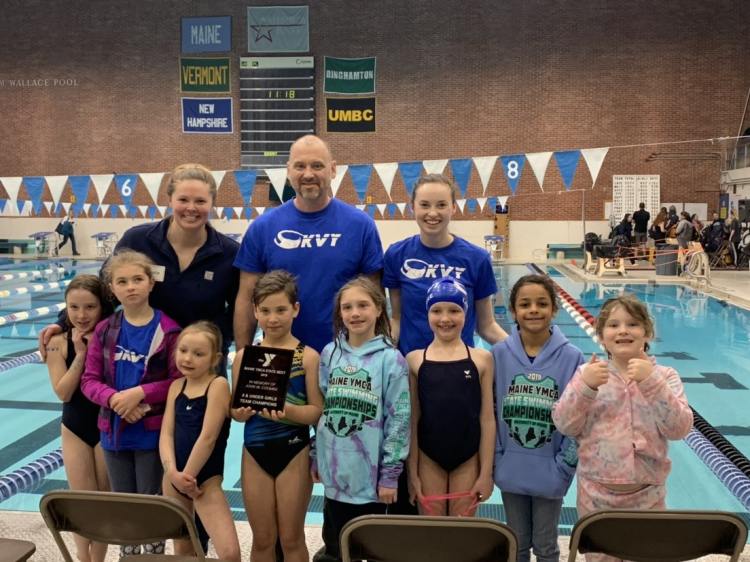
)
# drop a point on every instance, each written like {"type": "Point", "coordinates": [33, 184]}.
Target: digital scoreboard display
{"type": "Point", "coordinates": [277, 106]}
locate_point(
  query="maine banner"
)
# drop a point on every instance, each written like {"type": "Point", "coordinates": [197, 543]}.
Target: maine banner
{"type": "Point", "coordinates": [349, 76]}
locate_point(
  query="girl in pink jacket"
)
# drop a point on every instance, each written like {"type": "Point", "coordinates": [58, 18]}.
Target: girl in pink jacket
{"type": "Point", "coordinates": [622, 412]}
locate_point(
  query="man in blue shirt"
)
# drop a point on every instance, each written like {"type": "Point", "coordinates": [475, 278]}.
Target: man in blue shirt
{"type": "Point", "coordinates": [322, 241]}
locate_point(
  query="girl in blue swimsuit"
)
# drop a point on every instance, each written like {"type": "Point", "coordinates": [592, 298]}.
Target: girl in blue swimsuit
{"type": "Point", "coordinates": [453, 427]}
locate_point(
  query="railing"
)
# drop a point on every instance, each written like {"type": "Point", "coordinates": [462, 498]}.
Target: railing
{"type": "Point", "coordinates": [740, 156]}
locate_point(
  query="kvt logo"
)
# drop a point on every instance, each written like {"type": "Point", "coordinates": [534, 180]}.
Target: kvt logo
{"type": "Point", "coordinates": [418, 269]}
{"type": "Point", "coordinates": [291, 240]}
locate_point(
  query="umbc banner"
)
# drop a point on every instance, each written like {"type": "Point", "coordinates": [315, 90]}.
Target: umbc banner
{"type": "Point", "coordinates": [350, 115]}
{"type": "Point", "coordinates": [207, 115]}
{"type": "Point", "coordinates": [349, 76]}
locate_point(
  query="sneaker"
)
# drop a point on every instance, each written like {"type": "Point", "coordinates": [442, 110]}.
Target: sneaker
{"type": "Point", "coordinates": [76, 254]}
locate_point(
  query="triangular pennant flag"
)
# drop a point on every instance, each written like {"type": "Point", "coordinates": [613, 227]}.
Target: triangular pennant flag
{"type": "Point", "coordinates": [143, 209]}
{"type": "Point", "coordinates": [381, 208]}
{"type": "Point", "coordinates": [371, 210]}
{"type": "Point", "coordinates": [461, 169]}
{"type": "Point", "coordinates": [152, 181]}
{"type": "Point", "coordinates": [25, 207]}
{"type": "Point", "coordinates": [260, 210]}
{"type": "Point", "coordinates": [360, 175]}
{"type": "Point", "coordinates": [104, 207]}
{"type": "Point", "coordinates": [86, 208]}
{"type": "Point", "coordinates": [35, 188]}
{"type": "Point", "coordinates": [502, 202]}
{"type": "Point", "coordinates": [246, 182]}
{"type": "Point", "coordinates": [386, 173]}
{"type": "Point", "coordinates": [392, 208]}
{"type": "Point", "coordinates": [2, 204]}
{"type": "Point", "coordinates": [461, 203]}
{"type": "Point", "coordinates": [48, 206]}
{"type": "Point", "coordinates": [538, 162]}
{"type": "Point", "coordinates": [471, 205]}
{"type": "Point", "coordinates": [238, 211]}
{"type": "Point", "coordinates": [218, 177]}
{"type": "Point", "coordinates": [32, 331]}
{"type": "Point", "coordinates": [338, 178]}
{"type": "Point", "coordinates": [218, 213]}
{"type": "Point", "coordinates": [126, 184]}
{"type": "Point", "coordinates": [594, 158]}
{"type": "Point", "coordinates": [56, 185]}
{"type": "Point", "coordinates": [434, 166]}
{"type": "Point", "coordinates": [512, 169]}
{"type": "Point", "coordinates": [80, 187]}
{"type": "Point", "coordinates": [164, 210]}
{"type": "Point", "coordinates": [152, 212]}
{"type": "Point", "coordinates": [410, 172]}
{"type": "Point", "coordinates": [361, 207]}
{"type": "Point", "coordinates": [492, 204]}
{"type": "Point", "coordinates": [485, 165]}
{"type": "Point", "coordinates": [14, 331]}
{"type": "Point", "coordinates": [402, 208]}
{"type": "Point", "coordinates": [66, 207]}
{"type": "Point", "coordinates": [124, 209]}
{"type": "Point", "coordinates": [12, 185]}
{"type": "Point", "coordinates": [101, 184]}
{"type": "Point", "coordinates": [481, 201]}
{"type": "Point", "coordinates": [278, 180]}
{"type": "Point", "coordinates": [567, 162]}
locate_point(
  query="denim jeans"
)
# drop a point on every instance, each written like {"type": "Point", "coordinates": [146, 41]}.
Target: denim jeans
{"type": "Point", "coordinates": [534, 520]}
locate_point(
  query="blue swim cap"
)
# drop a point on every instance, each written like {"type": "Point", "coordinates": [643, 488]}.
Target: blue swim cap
{"type": "Point", "coordinates": [447, 289]}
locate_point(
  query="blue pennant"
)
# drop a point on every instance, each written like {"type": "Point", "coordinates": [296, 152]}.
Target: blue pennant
{"type": "Point", "coordinates": [492, 203]}
{"type": "Point", "coordinates": [392, 209]}
{"type": "Point", "coordinates": [2, 204]}
{"type": "Point", "coordinates": [567, 161]}
{"type": "Point", "coordinates": [246, 182]}
{"type": "Point", "coordinates": [371, 209]}
{"type": "Point", "coordinates": [360, 174]}
{"type": "Point", "coordinates": [512, 168]}
{"type": "Point", "coordinates": [35, 188]}
{"type": "Point", "coordinates": [471, 205]}
{"type": "Point", "coordinates": [126, 184]}
{"type": "Point", "coordinates": [461, 169]}
{"type": "Point", "coordinates": [94, 209]}
{"type": "Point", "coordinates": [152, 212]}
{"type": "Point", "coordinates": [410, 172]}
{"type": "Point", "coordinates": [113, 211]}
{"type": "Point", "coordinates": [80, 186]}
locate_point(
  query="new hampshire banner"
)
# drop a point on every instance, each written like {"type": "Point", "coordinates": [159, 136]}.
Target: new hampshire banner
{"type": "Point", "coordinates": [349, 76]}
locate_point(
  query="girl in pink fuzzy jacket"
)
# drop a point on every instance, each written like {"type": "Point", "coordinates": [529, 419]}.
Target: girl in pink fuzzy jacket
{"type": "Point", "coordinates": [622, 412]}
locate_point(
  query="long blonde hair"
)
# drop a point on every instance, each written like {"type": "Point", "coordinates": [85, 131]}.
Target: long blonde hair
{"type": "Point", "coordinates": [382, 324]}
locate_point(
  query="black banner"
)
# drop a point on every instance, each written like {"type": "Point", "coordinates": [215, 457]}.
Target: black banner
{"type": "Point", "coordinates": [350, 115]}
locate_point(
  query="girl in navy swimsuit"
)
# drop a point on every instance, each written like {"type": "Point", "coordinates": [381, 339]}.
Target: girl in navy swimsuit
{"type": "Point", "coordinates": [276, 481]}
{"type": "Point", "coordinates": [66, 355]}
{"type": "Point", "coordinates": [453, 428]}
{"type": "Point", "coordinates": [194, 436]}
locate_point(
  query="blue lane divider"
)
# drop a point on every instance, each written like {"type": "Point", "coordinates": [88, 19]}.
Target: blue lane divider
{"type": "Point", "coordinates": [29, 475]}
{"type": "Point", "coordinates": [724, 469]}
{"type": "Point", "coordinates": [34, 357]}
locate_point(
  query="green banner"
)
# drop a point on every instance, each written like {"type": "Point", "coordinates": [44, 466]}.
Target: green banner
{"type": "Point", "coordinates": [349, 76]}
{"type": "Point", "coordinates": [204, 75]}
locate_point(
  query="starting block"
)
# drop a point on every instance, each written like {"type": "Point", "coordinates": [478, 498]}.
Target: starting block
{"type": "Point", "coordinates": [610, 265]}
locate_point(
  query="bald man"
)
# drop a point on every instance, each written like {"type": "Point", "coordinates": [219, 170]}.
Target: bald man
{"type": "Point", "coordinates": [317, 238]}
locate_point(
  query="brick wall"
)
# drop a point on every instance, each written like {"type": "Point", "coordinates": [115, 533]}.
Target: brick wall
{"type": "Point", "coordinates": [453, 80]}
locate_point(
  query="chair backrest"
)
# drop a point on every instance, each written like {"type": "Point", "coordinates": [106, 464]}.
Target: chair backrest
{"type": "Point", "coordinates": [14, 550]}
{"type": "Point", "coordinates": [659, 535]}
{"type": "Point", "coordinates": [395, 538]}
{"type": "Point", "coordinates": [116, 518]}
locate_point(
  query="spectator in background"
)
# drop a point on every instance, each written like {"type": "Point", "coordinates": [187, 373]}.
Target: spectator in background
{"type": "Point", "coordinates": [734, 235]}
{"type": "Point", "coordinates": [65, 228]}
{"type": "Point", "coordinates": [672, 220]}
{"type": "Point", "coordinates": [640, 227]}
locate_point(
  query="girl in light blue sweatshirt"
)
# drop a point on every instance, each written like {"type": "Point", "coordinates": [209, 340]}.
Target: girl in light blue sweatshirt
{"type": "Point", "coordinates": [362, 438]}
{"type": "Point", "coordinates": [534, 463]}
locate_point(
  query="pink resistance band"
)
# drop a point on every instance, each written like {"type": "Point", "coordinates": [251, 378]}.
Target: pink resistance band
{"type": "Point", "coordinates": [428, 509]}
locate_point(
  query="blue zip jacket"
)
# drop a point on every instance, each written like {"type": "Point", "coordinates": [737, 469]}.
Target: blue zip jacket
{"type": "Point", "coordinates": [531, 456]}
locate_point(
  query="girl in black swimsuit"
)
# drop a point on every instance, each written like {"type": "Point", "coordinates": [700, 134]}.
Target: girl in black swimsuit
{"type": "Point", "coordinates": [453, 430]}
{"type": "Point", "coordinates": [66, 355]}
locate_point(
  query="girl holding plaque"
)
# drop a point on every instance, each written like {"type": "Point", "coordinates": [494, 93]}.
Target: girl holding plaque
{"type": "Point", "coordinates": [276, 482]}
{"type": "Point", "coordinates": [194, 437]}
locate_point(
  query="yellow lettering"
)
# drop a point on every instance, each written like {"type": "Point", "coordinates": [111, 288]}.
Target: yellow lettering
{"type": "Point", "coordinates": [367, 115]}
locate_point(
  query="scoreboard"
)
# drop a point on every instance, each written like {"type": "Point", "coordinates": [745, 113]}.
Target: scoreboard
{"type": "Point", "coordinates": [277, 106]}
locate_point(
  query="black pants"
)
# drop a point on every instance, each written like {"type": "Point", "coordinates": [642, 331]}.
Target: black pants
{"type": "Point", "coordinates": [402, 505]}
{"type": "Point", "coordinates": [336, 514]}
{"type": "Point", "coordinates": [72, 242]}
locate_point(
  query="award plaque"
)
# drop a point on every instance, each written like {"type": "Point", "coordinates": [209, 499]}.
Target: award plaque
{"type": "Point", "coordinates": [263, 378]}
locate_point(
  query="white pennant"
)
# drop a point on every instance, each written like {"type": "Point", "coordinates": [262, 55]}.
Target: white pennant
{"type": "Point", "coordinates": [162, 210]}
{"type": "Point", "coordinates": [402, 208]}
{"type": "Point", "coordinates": [238, 211]}
{"type": "Point", "coordinates": [387, 172]}
{"type": "Point", "coordinates": [381, 208]}
{"type": "Point", "coordinates": [152, 181]}
{"type": "Point", "coordinates": [594, 158]}
{"type": "Point", "coordinates": [360, 207]}
{"type": "Point", "coordinates": [260, 210]}
{"type": "Point", "coordinates": [104, 209]}
{"type": "Point", "coordinates": [14, 331]}
{"type": "Point", "coordinates": [143, 209]}
{"type": "Point", "coordinates": [278, 179]}
{"type": "Point", "coordinates": [434, 166]}
{"type": "Point", "coordinates": [66, 207]}
{"type": "Point", "coordinates": [218, 212]}
{"type": "Point", "coordinates": [12, 185]}
{"type": "Point", "coordinates": [56, 185]}
{"type": "Point", "coordinates": [484, 165]}
{"type": "Point", "coordinates": [336, 181]}
{"type": "Point", "coordinates": [86, 208]}
{"type": "Point", "coordinates": [461, 204]}
{"type": "Point", "coordinates": [26, 209]}
{"type": "Point", "coordinates": [124, 210]}
{"type": "Point", "coordinates": [101, 184]}
{"type": "Point", "coordinates": [538, 162]}
{"type": "Point", "coordinates": [482, 202]}
{"type": "Point", "coordinates": [502, 200]}
{"type": "Point", "coordinates": [48, 206]}
{"type": "Point", "coordinates": [218, 177]}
